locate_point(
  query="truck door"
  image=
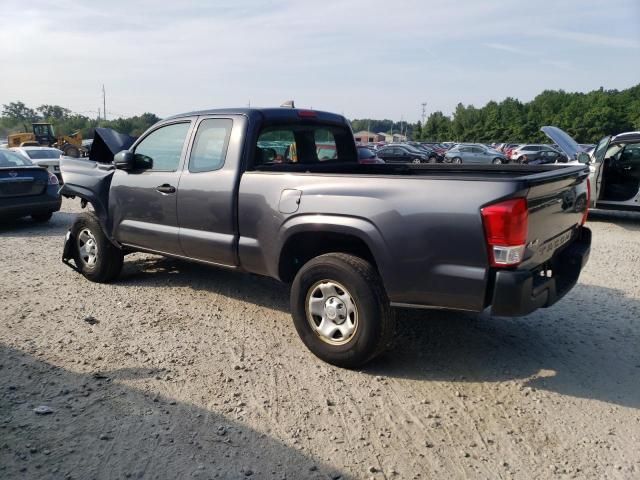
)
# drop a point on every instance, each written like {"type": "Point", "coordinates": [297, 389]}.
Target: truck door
{"type": "Point", "coordinates": [208, 191]}
{"type": "Point", "coordinates": [143, 201]}
{"type": "Point", "coordinates": [598, 165]}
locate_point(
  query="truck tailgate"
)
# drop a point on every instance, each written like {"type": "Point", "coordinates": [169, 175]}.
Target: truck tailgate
{"type": "Point", "coordinates": [557, 207]}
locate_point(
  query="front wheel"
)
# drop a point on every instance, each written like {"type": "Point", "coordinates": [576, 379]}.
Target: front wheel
{"type": "Point", "coordinates": [416, 160]}
{"type": "Point", "coordinates": [497, 161]}
{"type": "Point", "coordinates": [95, 256]}
{"type": "Point", "coordinates": [457, 160]}
{"type": "Point", "coordinates": [341, 311]}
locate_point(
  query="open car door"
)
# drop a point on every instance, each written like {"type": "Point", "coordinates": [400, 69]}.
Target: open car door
{"type": "Point", "coordinates": [598, 168]}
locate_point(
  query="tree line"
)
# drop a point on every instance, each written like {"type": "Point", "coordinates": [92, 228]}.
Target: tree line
{"type": "Point", "coordinates": [585, 116]}
{"type": "Point", "coordinates": [17, 117]}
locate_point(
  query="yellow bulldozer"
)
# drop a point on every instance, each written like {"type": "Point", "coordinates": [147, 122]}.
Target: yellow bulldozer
{"type": "Point", "coordinates": [44, 136]}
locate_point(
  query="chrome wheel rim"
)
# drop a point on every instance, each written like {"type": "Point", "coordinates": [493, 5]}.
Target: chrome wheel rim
{"type": "Point", "coordinates": [416, 160]}
{"type": "Point", "coordinates": [87, 247]}
{"type": "Point", "coordinates": [331, 312]}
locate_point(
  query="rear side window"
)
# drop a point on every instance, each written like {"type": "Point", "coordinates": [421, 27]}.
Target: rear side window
{"type": "Point", "coordinates": [161, 149]}
{"type": "Point", "coordinates": [305, 144]}
{"type": "Point", "coordinates": [210, 145]}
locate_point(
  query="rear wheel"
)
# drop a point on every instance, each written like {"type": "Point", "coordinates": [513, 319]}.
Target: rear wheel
{"type": "Point", "coordinates": [95, 256]}
{"type": "Point", "coordinates": [416, 160]}
{"type": "Point", "coordinates": [341, 311]}
{"type": "Point", "coordinates": [497, 161]}
{"type": "Point", "coordinates": [41, 217]}
{"type": "Point", "coordinates": [433, 160]}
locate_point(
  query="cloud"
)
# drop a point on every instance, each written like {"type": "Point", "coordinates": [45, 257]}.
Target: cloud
{"type": "Point", "coordinates": [362, 57]}
{"type": "Point", "coordinates": [589, 38]}
{"type": "Point", "coordinates": [507, 48]}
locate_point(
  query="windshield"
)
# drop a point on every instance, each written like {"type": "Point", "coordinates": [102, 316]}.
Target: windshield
{"type": "Point", "coordinates": [11, 159]}
{"type": "Point", "coordinates": [43, 154]}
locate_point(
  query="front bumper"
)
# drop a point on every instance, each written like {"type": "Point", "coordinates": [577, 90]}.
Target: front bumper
{"type": "Point", "coordinates": [518, 293]}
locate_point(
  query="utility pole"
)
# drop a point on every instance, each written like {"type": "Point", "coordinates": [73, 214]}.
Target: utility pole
{"type": "Point", "coordinates": [424, 111]}
{"type": "Point", "coordinates": [104, 102]}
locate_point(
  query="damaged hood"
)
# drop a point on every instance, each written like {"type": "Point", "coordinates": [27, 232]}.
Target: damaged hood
{"type": "Point", "coordinates": [108, 142]}
{"type": "Point", "coordinates": [566, 143]}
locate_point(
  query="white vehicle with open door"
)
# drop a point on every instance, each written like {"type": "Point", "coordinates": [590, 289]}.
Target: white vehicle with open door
{"type": "Point", "coordinates": [614, 165]}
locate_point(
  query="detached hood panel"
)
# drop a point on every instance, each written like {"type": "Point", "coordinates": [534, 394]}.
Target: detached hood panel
{"type": "Point", "coordinates": [108, 142]}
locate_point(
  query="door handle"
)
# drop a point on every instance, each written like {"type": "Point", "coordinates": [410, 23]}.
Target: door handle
{"type": "Point", "coordinates": [166, 188]}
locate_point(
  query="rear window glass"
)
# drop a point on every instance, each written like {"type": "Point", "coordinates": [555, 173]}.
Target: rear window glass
{"type": "Point", "coordinates": [304, 144]}
{"type": "Point", "coordinates": [43, 154]}
{"type": "Point", "coordinates": [11, 159]}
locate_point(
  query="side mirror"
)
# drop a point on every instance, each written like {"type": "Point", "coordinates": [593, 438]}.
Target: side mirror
{"type": "Point", "coordinates": [583, 157]}
{"type": "Point", "coordinates": [123, 160]}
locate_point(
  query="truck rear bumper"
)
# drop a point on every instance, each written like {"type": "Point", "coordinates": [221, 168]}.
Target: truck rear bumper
{"type": "Point", "coordinates": [518, 293]}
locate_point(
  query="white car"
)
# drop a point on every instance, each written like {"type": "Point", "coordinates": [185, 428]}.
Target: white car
{"type": "Point", "coordinates": [614, 165]}
{"type": "Point", "coordinates": [527, 150]}
{"type": "Point", "coordinates": [46, 157]}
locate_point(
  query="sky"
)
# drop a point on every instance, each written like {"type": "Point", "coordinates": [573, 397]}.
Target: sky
{"type": "Point", "coordinates": [364, 59]}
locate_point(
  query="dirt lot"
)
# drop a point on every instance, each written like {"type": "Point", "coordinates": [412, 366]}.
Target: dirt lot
{"type": "Point", "coordinates": [180, 371]}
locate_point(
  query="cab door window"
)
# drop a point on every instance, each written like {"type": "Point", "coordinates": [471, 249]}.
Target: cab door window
{"type": "Point", "coordinates": [210, 145]}
{"type": "Point", "coordinates": [161, 149]}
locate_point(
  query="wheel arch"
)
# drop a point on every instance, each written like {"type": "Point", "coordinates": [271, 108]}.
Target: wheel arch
{"type": "Point", "coordinates": [305, 238]}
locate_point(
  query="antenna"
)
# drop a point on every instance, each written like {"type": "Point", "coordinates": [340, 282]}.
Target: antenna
{"type": "Point", "coordinates": [104, 102]}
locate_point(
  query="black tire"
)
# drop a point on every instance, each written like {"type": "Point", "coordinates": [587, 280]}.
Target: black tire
{"type": "Point", "coordinates": [416, 160]}
{"type": "Point", "coordinates": [71, 151]}
{"type": "Point", "coordinates": [41, 217]}
{"type": "Point", "coordinates": [375, 318]}
{"type": "Point", "coordinates": [456, 160]}
{"type": "Point", "coordinates": [433, 159]}
{"type": "Point", "coordinates": [497, 161]}
{"type": "Point", "coordinates": [109, 258]}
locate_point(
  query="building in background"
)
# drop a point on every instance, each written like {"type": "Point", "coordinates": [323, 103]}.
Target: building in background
{"type": "Point", "coordinates": [368, 137]}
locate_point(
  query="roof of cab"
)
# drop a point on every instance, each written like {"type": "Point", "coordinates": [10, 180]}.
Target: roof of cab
{"type": "Point", "coordinates": [281, 113]}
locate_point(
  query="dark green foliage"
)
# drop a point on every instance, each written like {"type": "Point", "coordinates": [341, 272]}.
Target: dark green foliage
{"type": "Point", "coordinates": [586, 116]}
{"type": "Point", "coordinates": [17, 117]}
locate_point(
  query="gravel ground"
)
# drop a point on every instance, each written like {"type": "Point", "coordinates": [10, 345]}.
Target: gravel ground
{"type": "Point", "coordinates": [181, 371]}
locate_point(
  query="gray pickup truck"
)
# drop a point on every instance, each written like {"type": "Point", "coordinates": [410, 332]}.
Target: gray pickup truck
{"type": "Point", "coordinates": [245, 189]}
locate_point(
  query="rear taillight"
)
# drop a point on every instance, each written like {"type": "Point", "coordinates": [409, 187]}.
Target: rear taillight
{"type": "Point", "coordinates": [586, 208]}
{"type": "Point", "coordinates": [53, 180]}
{"type": "Point", "coordinates": [506, 227]}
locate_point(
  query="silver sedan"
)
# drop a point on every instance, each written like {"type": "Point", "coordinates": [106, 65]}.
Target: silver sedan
{"type": "Point", "coordinates": [474, 154]}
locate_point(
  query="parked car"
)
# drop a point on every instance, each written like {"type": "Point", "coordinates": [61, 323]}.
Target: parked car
{"type": "Point", "coordinates": [26, 189]}
{"type": "Point", "coordinates": [432, 155]}
{"type": "Point", "coordinates": [353, 240]}
{"type": "Point", "coordinates": [527, 149]}
{"type": "Point", "coordinates": [401, 153]}
{"type": "Point", "coordinates": [474, 154]}
{"type": "Point", "coordinates": [368, 156]}
{"type": "Point", "coordinates": [615, 168]}
{"type": "Point", "coordinates": [543, 157]}
{"type": "Point", "coordinates": [47, 157]}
